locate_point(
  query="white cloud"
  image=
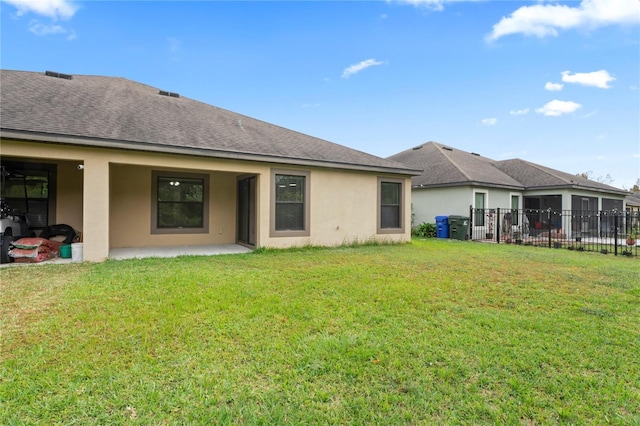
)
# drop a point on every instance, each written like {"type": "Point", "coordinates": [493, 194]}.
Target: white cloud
{"type": "Point", "coordinates": [55, 9]}
{"type": "Point", "coordinates": [553, 87]}
{"type": "Point", "coordinates": [599, 79]}
{"type": "Point", "coordinates": [44, 29]}
{"type": "Point", "coordinates": [543, 20]}
{"type": "Point", "coordinates": [489, 121]}
{"type": "Point", "coordinates": [437, 5]}
{"type": "Point", "coordinates": [590, 114]}
{"type": "Point", "coordinates": [431, 4]}
{"type": "Point", "coordinates": [556, 108]}
{"type": "Point", "coordinates": [519, 111]}
{"type": "Point", "coordinates": [354, 69]}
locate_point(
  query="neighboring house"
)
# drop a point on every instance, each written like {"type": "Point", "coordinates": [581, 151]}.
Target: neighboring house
{"type": "Point", "coordinates": [129, 165]}
{"type": "Point", "coordinates": [454, 181]}
{"type": "Point", "coordinates": [633, 212]}
{"type": "Point", "coordinates": [633, 203]}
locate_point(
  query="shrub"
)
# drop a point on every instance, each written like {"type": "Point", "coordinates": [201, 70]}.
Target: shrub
{"type": "Point", "coordinates": [424, 230]}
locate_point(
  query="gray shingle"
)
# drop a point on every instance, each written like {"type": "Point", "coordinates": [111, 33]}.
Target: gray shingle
{"type": "Point", "coordinates": [535, 176]}
{"type": "Point", "coordinates": [633, 199]}
{"type": "Point", "coordinates": [445, 166]}
{"type": "Point", "coordinates": [116, 109]}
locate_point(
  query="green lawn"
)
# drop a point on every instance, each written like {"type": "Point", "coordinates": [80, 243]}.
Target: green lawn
{"type": "Point", "coordinates": [429, 332]}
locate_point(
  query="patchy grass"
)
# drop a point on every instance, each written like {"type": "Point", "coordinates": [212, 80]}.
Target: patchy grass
{"type": "Point", "coordinates": [429, 332]}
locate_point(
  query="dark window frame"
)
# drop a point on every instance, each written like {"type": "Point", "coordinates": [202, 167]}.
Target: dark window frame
{"type": "Point", "coordinates": [155, 178]}
{"type": "Point", "coordinates": [306, 215]}
{"type": "Point", "coordinates": [400, 229]}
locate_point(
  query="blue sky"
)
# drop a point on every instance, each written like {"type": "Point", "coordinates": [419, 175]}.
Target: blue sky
{"type": "Point", "coordinates": [556, 83]}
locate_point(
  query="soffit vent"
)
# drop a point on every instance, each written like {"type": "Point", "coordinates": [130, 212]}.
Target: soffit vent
{"type": "Point", "coordinates": [58, 75]}
{"type": "Point", "coordinates": [170, 94]}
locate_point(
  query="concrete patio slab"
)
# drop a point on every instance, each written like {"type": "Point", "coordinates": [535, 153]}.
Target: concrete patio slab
{"type": "Point", "coordinates": [143, 252]}
{"type": "Point", "coordinates": [209, 250]}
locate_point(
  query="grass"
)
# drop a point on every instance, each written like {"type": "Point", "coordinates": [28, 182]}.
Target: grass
{"type": "Point", "coordinates": [428, 332]}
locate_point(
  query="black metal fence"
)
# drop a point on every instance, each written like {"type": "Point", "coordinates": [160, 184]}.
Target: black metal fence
{"type": "Point", "coordinates": [608, 232]}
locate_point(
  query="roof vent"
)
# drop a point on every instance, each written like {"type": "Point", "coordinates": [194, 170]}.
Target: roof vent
{"type": "Point", "coordinates": [171, 94]}
{"type": "Point", "coordinates": [447, 148]}
{"type": "Point", "coordinates": [58, 75]}
{"type": "Point", "coordinates": [415, 148]}
{"type": "Point", "coordinates": [476, 154]}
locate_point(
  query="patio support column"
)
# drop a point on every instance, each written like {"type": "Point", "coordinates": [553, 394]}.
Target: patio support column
{"type": "Point", "coordinates": [95, 209]}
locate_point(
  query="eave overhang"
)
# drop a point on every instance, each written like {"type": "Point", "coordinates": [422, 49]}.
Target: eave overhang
{"type": "Point", "coordinates": [575, 187]}
{"type": "Point", "coordinates": [194, 151]}
{"type": "Point", "coordinates": [620, 192]}
{"type": "Point", "coordinates": [469, 183]}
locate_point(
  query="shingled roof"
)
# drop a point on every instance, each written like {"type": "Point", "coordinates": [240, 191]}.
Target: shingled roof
{"type": "Point", "coordinates": [633, 199]}
{"type": "Point", "coordinates": [535, 176]}
{"type": "Point", "coordinates": [115, 112]}
{"type": "Point", "coordinates": [445, 166]}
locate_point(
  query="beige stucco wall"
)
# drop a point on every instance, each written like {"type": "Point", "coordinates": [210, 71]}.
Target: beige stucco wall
{"type": "Point", "coordinates": [69, 195]}
{"type": "Point", "coordinates": [343, 210]}
{"type": "Point", "coordinates": [110, 200]}
{"type": "Point", "coordinates": [130, 210]}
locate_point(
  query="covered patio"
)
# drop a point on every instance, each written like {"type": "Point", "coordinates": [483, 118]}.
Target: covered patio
{"type": "Point", "coordinates": [146, 252]}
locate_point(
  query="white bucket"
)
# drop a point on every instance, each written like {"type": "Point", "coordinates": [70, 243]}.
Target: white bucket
{"type": "Point", "coordinates": [76, 252]}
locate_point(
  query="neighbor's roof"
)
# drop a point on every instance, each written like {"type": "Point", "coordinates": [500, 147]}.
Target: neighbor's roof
{"type": "Point", "coordinates": [633, 199]}
{"type": "Point", "coordinates": [535, 176]}
{"type": "Point", "coordinates": [116, 112]}
{"type": "Point", "coordinates": [445, 166]}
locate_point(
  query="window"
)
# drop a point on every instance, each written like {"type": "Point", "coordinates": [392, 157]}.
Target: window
{"type": "Point", "coordinates": [290, 203]}
{"type": "Point", "coordinates": [515, 206]}
{"type": "Point", "coordinates": [180, 203]}
{"type": "Point", "coordinates": [479, 204]}
{"type": "Point", "coordinates": [390, 206]}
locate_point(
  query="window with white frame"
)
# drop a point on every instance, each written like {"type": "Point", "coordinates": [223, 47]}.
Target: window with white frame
{"type": "Point", "coordinates": [479, 203]}
{"type": "Point", "coordinates": [515, 206]}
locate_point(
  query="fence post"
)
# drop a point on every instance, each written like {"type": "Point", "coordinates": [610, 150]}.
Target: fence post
{"type": "Point", "coordinates": [549, 225]}
{"type": "Point", "coordinates": [497, 224]}
{"type": "Point", "coordinates": [615, 231]}
{"type": "Point", "coordinates": [470, 222]}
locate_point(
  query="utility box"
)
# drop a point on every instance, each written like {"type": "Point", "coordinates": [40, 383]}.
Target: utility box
{"type": "Point", "coordinates": [459, 227]}
{"type": "Point", "coordinates": [442, 226]}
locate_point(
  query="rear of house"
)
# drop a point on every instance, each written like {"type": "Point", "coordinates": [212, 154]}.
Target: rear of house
{"type": "Point", "coordinates": [129, 165]}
